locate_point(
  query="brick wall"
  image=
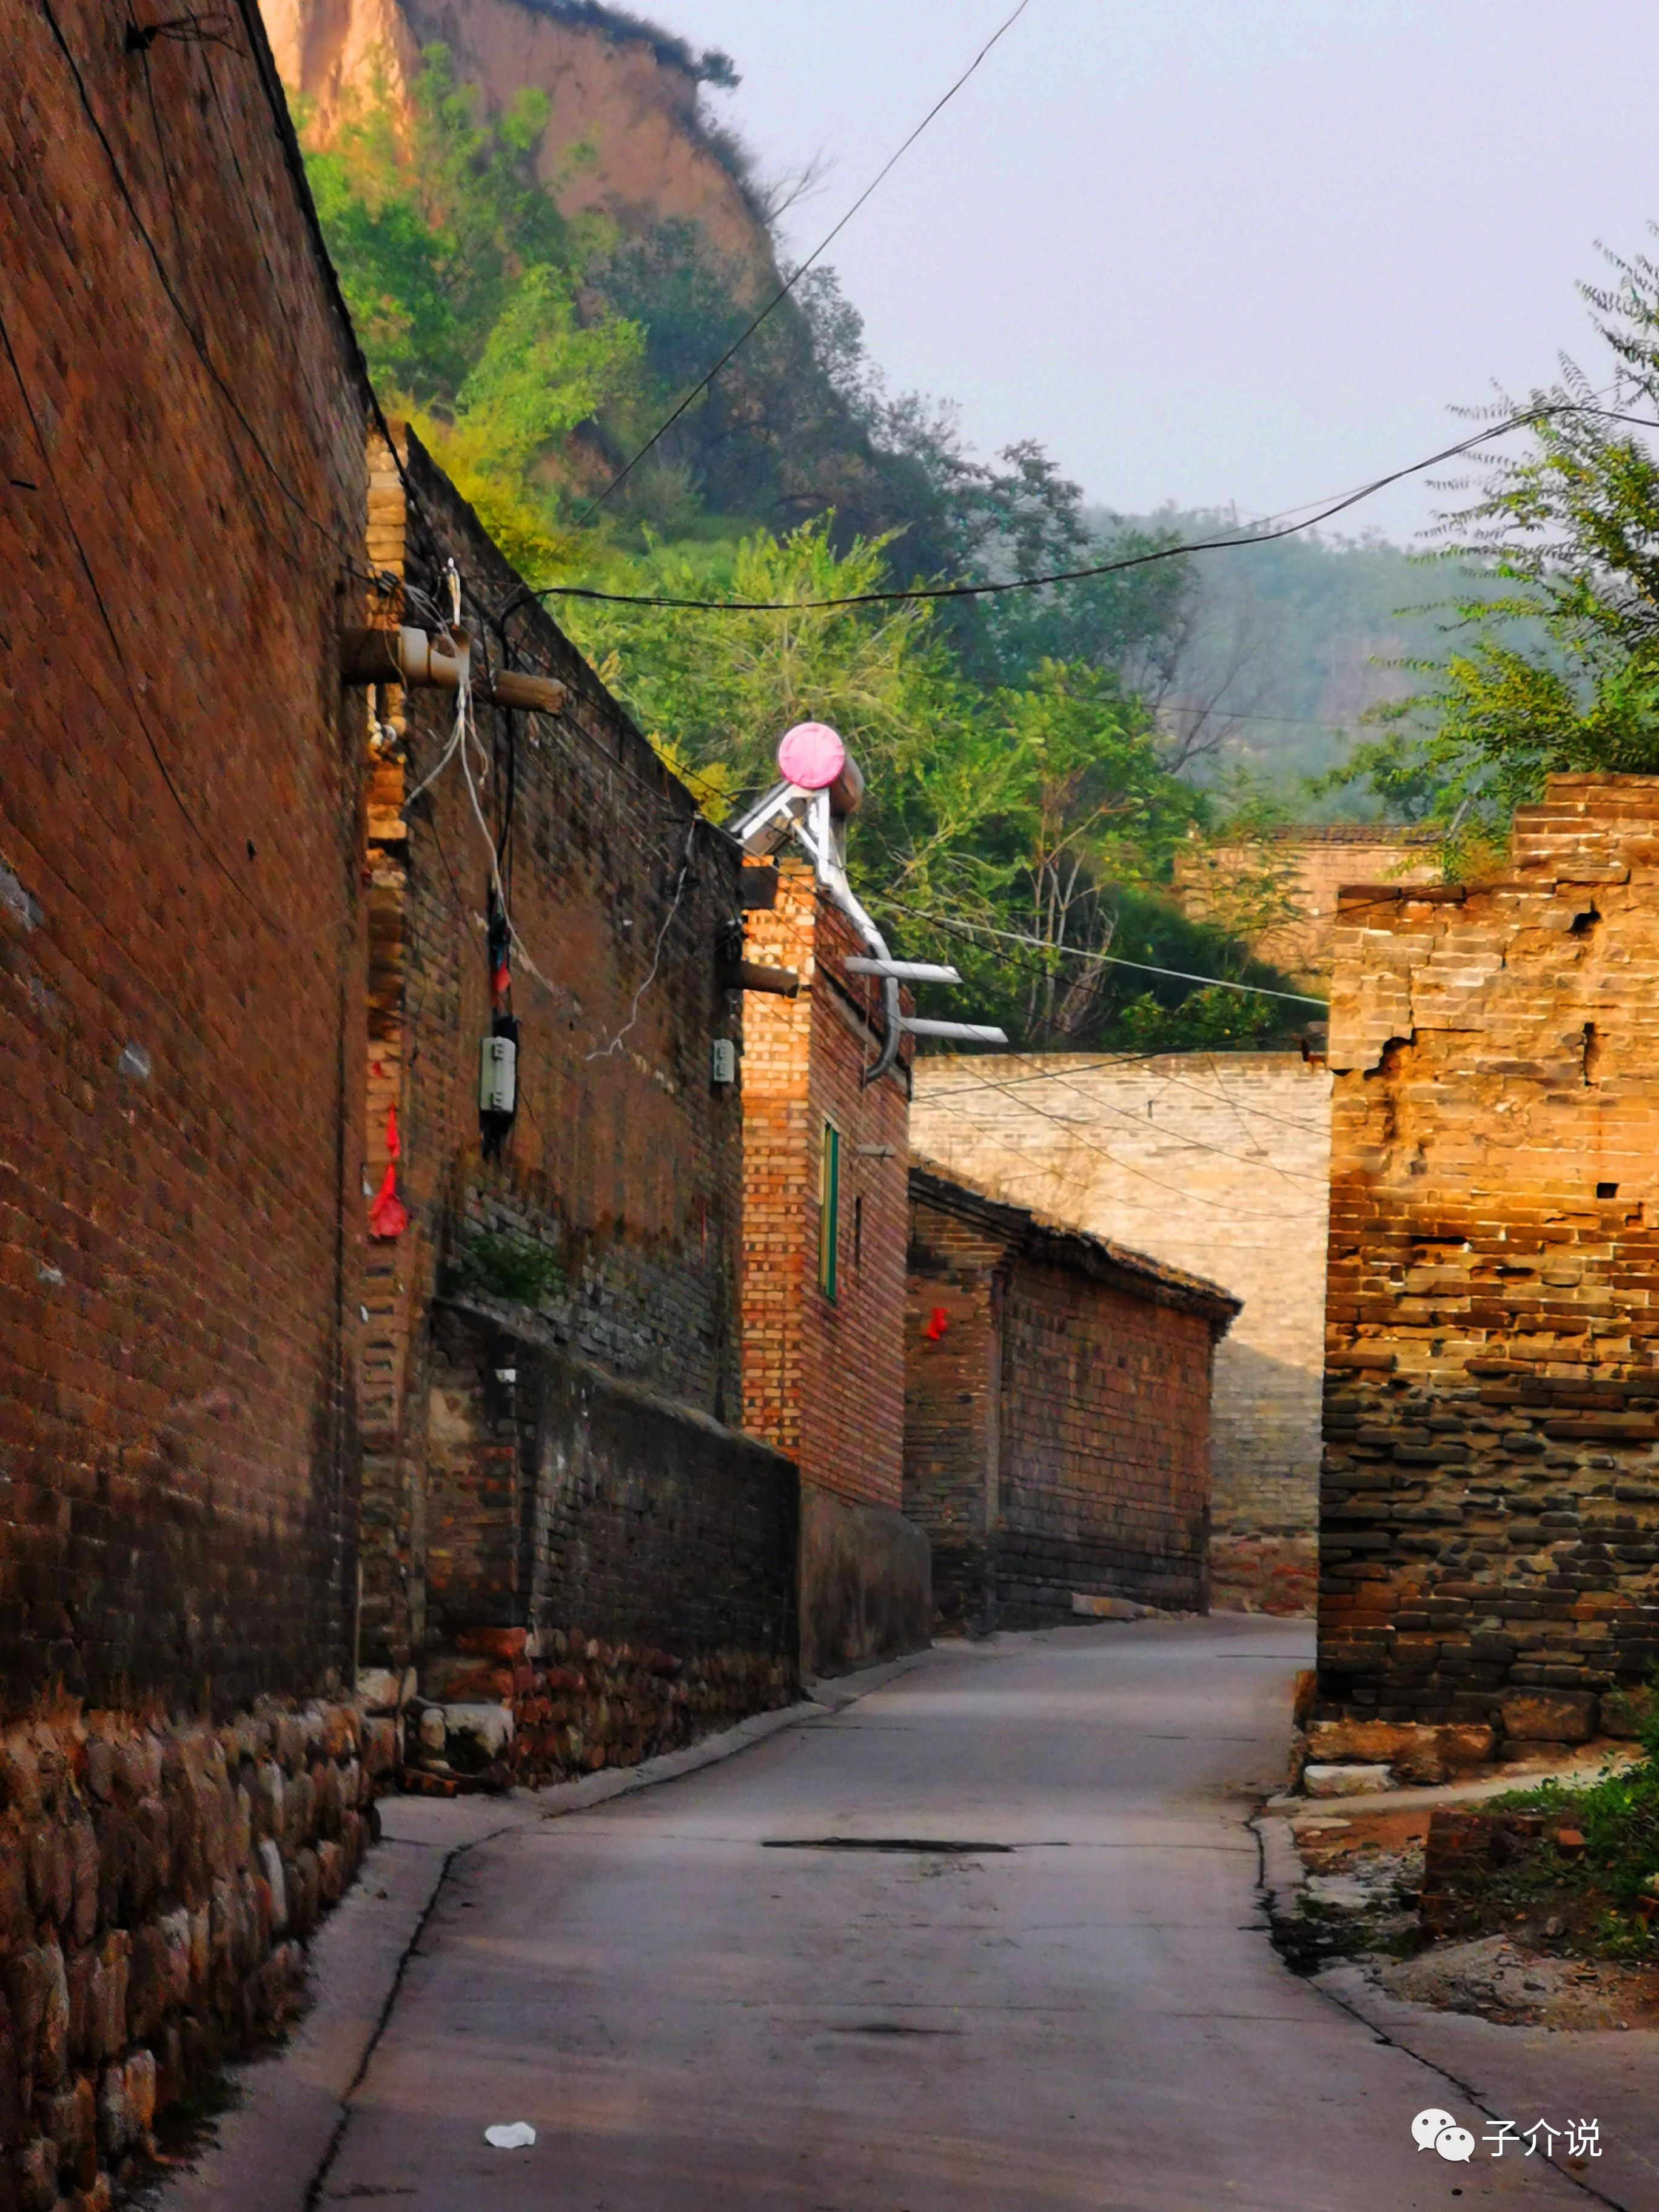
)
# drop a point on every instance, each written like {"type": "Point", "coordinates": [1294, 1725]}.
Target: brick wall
{"type": "Point", "coordinates": [622, 1174]}
{"type": "Point", "coordinates": [560, 1497]}
{"type": "Point", "coordinates": [181, 532]}
{"type": "Point", "coordinates": [1215, 1164]}
{"type": "Point", "coordinates": [1280, 892]}
{"type": "Point", "coordinates": [1489, 1526]}
{"type": "Point", "coordinates": [822, 1379]}
{"type": "Point", "coordinates": [1057, 1419]}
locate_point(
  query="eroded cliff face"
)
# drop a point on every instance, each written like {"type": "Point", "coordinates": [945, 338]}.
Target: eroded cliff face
{"type": "Point", "coordinates": [624, 93]}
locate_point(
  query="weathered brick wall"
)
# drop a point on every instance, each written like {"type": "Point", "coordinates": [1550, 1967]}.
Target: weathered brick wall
{"type": "Point", "coordinates": [1215, 1164]}
{"type": "Point", "coordinates": [560, 1497]}
{"type": "Point", "coordinates": [1057, 1426]}
{"type": "Point", "coordinates": [822, 1379]}
{"type": "Point", "coordinates": [1105, 1447]}
{"type": "Point", "coordinates": [181, 534]}
{"type": "Point", "coordinates": [623, 1171]}
{"type": "Point", "coordinates": [1280, 891]}
{"type": "Point", "coordinates": [953, 1375]}
{"type": "Point", "coordinates": [1490, 1525]}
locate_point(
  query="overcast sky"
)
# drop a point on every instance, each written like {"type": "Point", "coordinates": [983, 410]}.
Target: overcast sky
{"type": "Point", "coordinates": [1212, 249]}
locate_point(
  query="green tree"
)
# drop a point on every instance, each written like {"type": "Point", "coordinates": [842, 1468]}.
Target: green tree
{"type": "Point", "coordinates": [1018, 830]}
{"type": "Point", "coordinates": [1559, 669]}
{"type": "Point", "coordinates": [462, 277]}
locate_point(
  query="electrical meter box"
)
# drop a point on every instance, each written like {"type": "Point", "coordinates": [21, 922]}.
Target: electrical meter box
{"type": "Point", "coordinates": [723, 1060]}
{"type": "Point", "coordinates": [498, 1073]}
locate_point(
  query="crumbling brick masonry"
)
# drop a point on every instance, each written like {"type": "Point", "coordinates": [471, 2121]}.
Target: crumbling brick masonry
{"type": "Point", "coordinates": [1489, 1517]}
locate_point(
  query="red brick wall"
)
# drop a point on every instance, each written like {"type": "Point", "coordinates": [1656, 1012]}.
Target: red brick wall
{"type": "Point", "coordinates": [953, 1404]}
{"type": "Point", "coordinates": [822, 1379]}
{"type": "Point", "coordinates": [624, 1168]}
{"type": "Point", "coordinates": [180, 894]}
{"type": "Point", "coordinates": [1057, 1426]}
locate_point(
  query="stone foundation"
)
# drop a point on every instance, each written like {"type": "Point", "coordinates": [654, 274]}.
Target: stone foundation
{"type": "Point", "coordinates": [157, 1885]}
{"type": "Point", "coordinates": [504, 1707]}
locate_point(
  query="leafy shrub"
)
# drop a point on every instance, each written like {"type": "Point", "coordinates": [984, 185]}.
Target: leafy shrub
{"type": "Point", "coordinates": [510, 1268]}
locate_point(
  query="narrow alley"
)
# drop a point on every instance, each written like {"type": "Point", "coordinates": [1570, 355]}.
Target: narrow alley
{"type": "Point", "coordinates": [708, 1995]}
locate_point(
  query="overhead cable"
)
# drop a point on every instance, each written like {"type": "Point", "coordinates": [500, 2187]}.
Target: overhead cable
{"type": "Point", "coordinates": [1177, 552]}
{"type": "Point", "coordinates": [1103, 959]}
{"type": "Point", "coordinates": [1113, 1063]}
{"type": "Point", "coordinates": [1182, 1191]}
{"type": "Point", "coordinates": [795, 276]}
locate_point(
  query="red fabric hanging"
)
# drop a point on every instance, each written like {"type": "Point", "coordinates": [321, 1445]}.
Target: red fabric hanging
{"type": "Point", "coordinates": [388, 1217]}
{"type": "Point", "coordinates": [393, 1142]}
{"type": "Point", "coordinates": [938, 1321]}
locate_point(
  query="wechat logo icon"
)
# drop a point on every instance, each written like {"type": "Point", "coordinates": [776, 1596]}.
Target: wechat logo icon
{"type": "Point", "coordinates": [1435, 2130]}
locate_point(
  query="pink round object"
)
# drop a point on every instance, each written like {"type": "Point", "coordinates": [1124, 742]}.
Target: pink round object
{"type": "Point", "coordinates": [812, 756]}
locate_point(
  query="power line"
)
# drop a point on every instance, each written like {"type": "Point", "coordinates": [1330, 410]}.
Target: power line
{"type": "Point", "coordinates": [105, 617]}
{"type": "Point", "coordinates": [1103, 959]}
{"type": "Point", "coordinates": [789, 284]}
{"type": "Point", "coordinates": [1061, 1121]}
{"type": "Point", "coordinates": [198, 344]}
{"type": "Point", "coordinates": [932, 592]}
{"type": "Point", "coordinates": [1073, 1080]}
{"type": "Point", "coordinates": [1113, 1061]}
{"type": "Point", "coordinates": [1192, 1144]}
{"type": "Point", "coordinates": [1197, 1143]}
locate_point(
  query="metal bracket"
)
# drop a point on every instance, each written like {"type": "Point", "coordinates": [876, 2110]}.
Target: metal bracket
{"type": "Point", "coordinates": [788, 811]}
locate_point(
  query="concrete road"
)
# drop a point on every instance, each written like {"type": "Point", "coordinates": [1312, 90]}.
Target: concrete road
{"type": "Point", "coordinates": [701, 2005]}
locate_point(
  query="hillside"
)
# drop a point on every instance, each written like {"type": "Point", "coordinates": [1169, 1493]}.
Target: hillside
{"type": "Point", "coordinates": [1286, 646]}
{"type": "Point", "coordinates": [613, 83]}
{"type": "Point", "coordinates": [1036, 759]}
{"type": "Point", "coordinates": [1267, 660]}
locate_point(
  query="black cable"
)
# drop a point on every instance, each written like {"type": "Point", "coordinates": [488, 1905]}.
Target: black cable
{"type": "Point", "coordinates": [789, 286]}
{"type": "Point", "coordinates": [1191, 1144]}
{"type": "Point", "coordinates": [143, 51]}
{"type": "Point", "coordinates": [209, 846]}
{"type": "Point", "coordinates": [922, 591]}
{"type": "Point", "coordinates": [1082, 952]}
{"type": "Point", "coordinates": [197, 346]}
{"type": "Point", "coordinates": [1221, 1205]}
{"type": "Point", "coordinates": [1138, 1060]}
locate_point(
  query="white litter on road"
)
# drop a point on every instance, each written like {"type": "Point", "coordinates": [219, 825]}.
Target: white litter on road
{"type": "Point", "coordinates": [511, 2135]}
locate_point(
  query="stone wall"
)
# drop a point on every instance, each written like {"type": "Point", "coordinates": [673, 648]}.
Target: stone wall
{"type": "Point", "coordinates": [178, 819]}
{"type": "Point", "coordinates": [1057, 1418]}
{"type": "Point", "coordinates": [1214, 1163]}
{"type": "Point", "coordinates": [157, 1883]}
{"type": "Point", "coordinates": [618, 1195]}
{"type": "Point", "coordinates": [1489, 1526]}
